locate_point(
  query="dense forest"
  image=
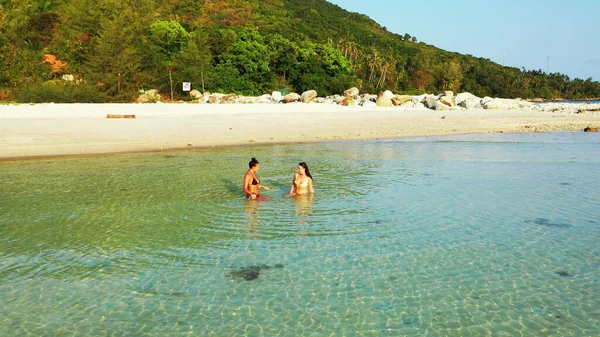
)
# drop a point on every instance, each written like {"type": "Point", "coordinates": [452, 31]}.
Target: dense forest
{"type": "Point", "coordinates": [110, 50]}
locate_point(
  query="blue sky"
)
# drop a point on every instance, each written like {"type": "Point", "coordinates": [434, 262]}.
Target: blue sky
{"type": "Point", "coordinates": [528, 33]}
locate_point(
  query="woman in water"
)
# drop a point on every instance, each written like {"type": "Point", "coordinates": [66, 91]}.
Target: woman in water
{"type": "Point", "coordinates": [252, 184]}
{"type": "Point", "coordinates": [302, 182]}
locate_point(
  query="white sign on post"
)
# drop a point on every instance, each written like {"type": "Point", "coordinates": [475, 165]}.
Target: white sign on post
{"type": "Point", "coordinates": [187, 86]}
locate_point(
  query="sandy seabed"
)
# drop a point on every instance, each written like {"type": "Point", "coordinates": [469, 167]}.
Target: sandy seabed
{"type": "Point", "coordinates": [33, 130]}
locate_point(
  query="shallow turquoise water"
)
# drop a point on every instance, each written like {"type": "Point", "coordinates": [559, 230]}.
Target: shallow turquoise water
{"type": "Point", "coordinates": [486, 235]}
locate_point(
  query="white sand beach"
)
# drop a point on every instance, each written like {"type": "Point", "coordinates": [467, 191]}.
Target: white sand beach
{"type": "Point", "coordinates": [32, 130]}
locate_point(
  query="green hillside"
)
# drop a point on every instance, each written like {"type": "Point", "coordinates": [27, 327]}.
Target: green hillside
{"type": "Point", "coordinates": [112, 49]}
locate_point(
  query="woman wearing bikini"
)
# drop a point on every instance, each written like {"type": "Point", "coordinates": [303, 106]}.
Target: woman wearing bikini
{"type": "Point", "coordinates": [302, 182]}
{"type": "Point", "coordinates": [252, 183]}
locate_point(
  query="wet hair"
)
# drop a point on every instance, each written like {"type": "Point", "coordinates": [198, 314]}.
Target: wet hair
{"type": "Point", "coordinates": [303, 164]}
{"type": "Point", "coordinates": [253, 163]}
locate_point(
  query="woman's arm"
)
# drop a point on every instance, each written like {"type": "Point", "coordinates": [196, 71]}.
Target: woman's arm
{"type": "Point", "coordinates": [310, 186]}
{"type": "Point", "coordinates": [293, 187]}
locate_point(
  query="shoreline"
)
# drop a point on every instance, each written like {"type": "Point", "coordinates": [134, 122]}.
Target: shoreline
{"type": "Point", "coordinates": [41, 131]}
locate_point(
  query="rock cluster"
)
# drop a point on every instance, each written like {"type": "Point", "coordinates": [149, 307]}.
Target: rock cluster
{"type": "Point", "coordinates": [385, 99]}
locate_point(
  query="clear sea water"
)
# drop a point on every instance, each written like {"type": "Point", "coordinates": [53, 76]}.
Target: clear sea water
{"type": "Point", "coordinates": [473, 235]}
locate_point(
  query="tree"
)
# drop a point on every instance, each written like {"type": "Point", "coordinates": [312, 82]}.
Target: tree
{"type": "Point", "coordinates": [167, 39]}
{"type": "Point", "coordinates": [20, 60]}
{"type": "Point", "coordinates": [421, 79]}
{"type": "Point", "coordinates": [449, 75]}
{"type": "Point", "coordinates": [194, 59]}
{"type": "Point", "coordinates": [249, 58]}
{"type": "Point", "coordinates": [80, 24]}
{"type": "Point", "coordinates": [322, 68]}
{"type": "Point", "coordinates": [283, 54]}
{"type": "Point", "coordinates": [219, 40]}
{"type": "Point", "coordinates": [116, 63]}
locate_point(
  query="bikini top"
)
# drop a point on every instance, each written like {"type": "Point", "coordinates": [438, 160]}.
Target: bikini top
{"type": "Point", "coordinates": [255, 182]}
{"type": "Point", "coordinates": [305, 183]}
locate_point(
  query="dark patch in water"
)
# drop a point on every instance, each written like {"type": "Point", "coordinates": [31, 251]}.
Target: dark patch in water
{"type": "Point", "coordinates": [382, 307]}
{"type": "Point", "coordinates": [251, 273]}
{"type": "Point", "coordinates": [169, 156]}
{"type": "Point", "coordinates": [547, 223]}
{"type": "Point", "coordinates": [566, 184]}
{"type": "Point", "coordinates": [248, 273]}
{"type": "Point", "coordinates": [232, 187]}
{"type": "Point", "coordinates": [563, 273]}
{"type": "Point", "coordinates": [410, 321]}
{"type": "Point", "coordinates": [154, 292]}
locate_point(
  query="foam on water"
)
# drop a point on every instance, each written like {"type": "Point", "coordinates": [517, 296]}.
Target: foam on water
{"type": "Point", "coordinates": [448, 236]}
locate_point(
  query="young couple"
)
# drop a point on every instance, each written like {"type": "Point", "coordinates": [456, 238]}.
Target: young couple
{"type": "Point", "coordinates": [302, 182]}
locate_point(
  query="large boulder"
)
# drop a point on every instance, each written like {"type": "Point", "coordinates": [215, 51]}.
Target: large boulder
{"type": "Point", "coordinates": [68, 78]}
{"type": "Point", "coordinates": [204, 98]}
{"type": "Point", "coordinates": [229, 99]}
{"type": "Point", "coordinates": [348, 101]}
{"type": "Point", "coordinates": [215, 98]}
{"type": "Point", "coordinates": [419, 99]}
{"type": "Point", "coordinates": [149, 96]}
{"type": "Point", "coordinates": [246, 100]}
{"type": "Point", "coordinates": [492, 103]}
{"type": "Point", "coordinates": [308, 96]}
{"type": "Point", "coordinates": [195, 94]}
{"type": "Point", "coordinates": [430, 101]}
{"type": "Point", "coordinates": [401, 99]}
{"type": "Point", "coordinates": [439, 105]}
{"type": "Point", "coordinates": [500, 103]}
{"type": "Point", "coordinates": [352, 92]}
{"type": "Point", "coordinates": [384, 99]}
{"type": "Point", "coordinates": [264, 99]}
{"type": "Point", "coordinates": [277, 96]}
{"type": "Point", "coordinates": [291, 97]}
{"type": "Point", "coordinates": [468, 100]}
{"type": "Point", "coordinates": [447, 100]}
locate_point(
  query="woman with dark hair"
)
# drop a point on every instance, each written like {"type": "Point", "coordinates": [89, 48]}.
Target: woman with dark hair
{"type": "Point", "coordinates": [252, 183]}
{"type": "Point", "coordinates": [302, 181]}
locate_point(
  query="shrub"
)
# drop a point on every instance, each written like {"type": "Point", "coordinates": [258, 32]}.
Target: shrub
{"type": "Point", "coordinates": [61, 92]}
